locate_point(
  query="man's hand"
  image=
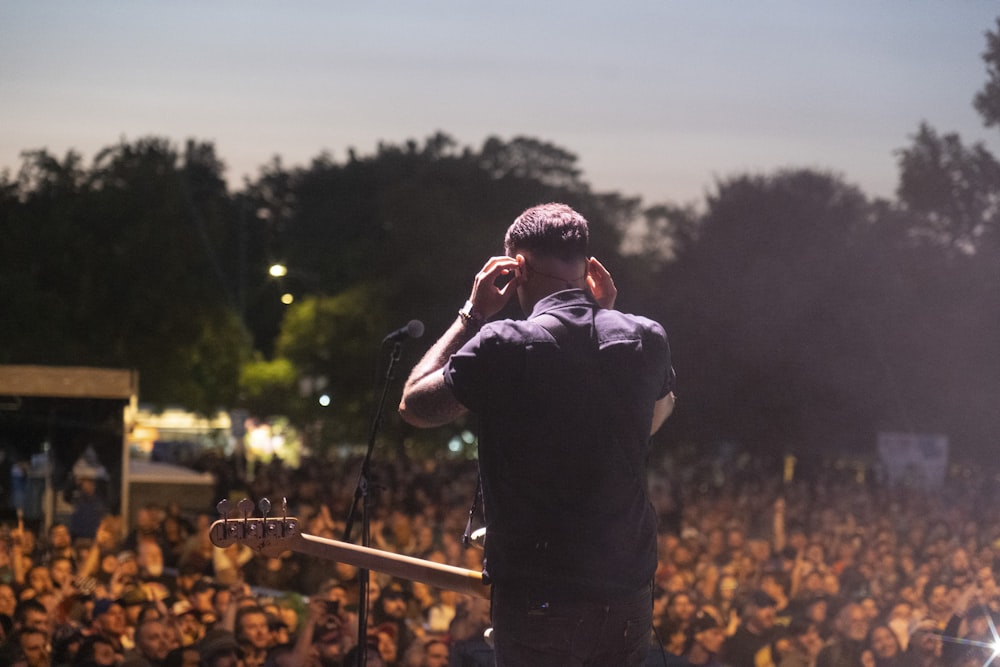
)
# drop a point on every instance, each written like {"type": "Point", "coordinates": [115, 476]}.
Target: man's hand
{"type": "Point", "coordinates": [488, 299]}
{"type": "Point", "coordinates": [600, 283]}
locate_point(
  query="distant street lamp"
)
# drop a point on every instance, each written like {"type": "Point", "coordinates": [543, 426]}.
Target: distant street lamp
{"type": "Point", "coordinates": [280, 271]}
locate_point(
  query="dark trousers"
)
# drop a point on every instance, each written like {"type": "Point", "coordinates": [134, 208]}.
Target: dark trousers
{"type": "Point", "coordinates": [532, 631]}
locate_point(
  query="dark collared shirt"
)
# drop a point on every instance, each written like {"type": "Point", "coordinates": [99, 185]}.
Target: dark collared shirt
{"type": "Point", "coordinates": [565, 401]}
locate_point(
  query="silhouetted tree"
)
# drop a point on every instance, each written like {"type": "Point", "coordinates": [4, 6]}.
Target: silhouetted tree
{"type": "Point", "coordinates": [951, 192]}
{"type": "Point", "coordinates": [987, 100]}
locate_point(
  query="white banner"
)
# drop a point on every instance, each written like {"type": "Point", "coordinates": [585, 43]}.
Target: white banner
{"type": "Point", "coordinates": [914, 459]}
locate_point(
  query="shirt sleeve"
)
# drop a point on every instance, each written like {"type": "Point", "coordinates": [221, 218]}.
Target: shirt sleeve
{"type": "Point", "coordinates": [464, 374]}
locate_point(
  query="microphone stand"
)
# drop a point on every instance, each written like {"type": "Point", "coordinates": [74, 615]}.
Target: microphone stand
{"type": "Point", "coordinates": [363, 493]}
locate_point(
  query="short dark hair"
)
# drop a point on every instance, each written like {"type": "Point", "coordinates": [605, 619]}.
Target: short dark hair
{"type": "Point", "coordinates": [553, 229]}
{"type": "Point", "coordinates": [26, 605]}
{"type": "Point", "coordinates": [86, 650]}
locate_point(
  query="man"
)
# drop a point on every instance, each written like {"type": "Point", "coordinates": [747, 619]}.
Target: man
{"type": "Point", "coordinates": [219, 648]}
{"type": "Point", "coordinates": [755, 631]}
{"type": "Point", "coordinates": [848, 643]}
{"type": "Point", "coordinates": [34, 647]}
{"type": "Point", "coordinates": [435, 654]}
{"type": "Point", "coordinates": [567, 401]}
{"type": "Point", "coordinates": [795, 645]}
{"type": "Point", "coordinates": [109, 622]}
{"type": "Point", "coordinates": [152, 643]}
{"type": "Point", "coordinates": [703, 639]}
{"type": "Point", "coordinates": [253, 635]}
{"type": "Point", "coordinates": [59, 543]}
{"type": "Point", "coordinates": [149, 564]}
{"type": "Point", "coordinates": [924, 647]}
{"type": "Point", "coordinates": [97, 651]}
{"type": "Point", "coordinates": [467, 632]}
{"type": "Point", "coordinates": [88, 506]}
{"type": "Point", "coordinates": [391, 607]}
{"type": "Point", "coordinates": [32, 614]}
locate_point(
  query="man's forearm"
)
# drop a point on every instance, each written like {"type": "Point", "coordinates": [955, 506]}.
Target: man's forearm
{"type": "Point", "coordinates": [427, 401]}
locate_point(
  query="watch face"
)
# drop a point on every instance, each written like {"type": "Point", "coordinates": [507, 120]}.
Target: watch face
{"type": "Point", "coordinates": [469, 315]}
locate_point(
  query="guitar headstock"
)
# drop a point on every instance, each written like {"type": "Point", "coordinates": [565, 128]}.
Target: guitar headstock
{"type": "Point", "coordinates": [268, 535]}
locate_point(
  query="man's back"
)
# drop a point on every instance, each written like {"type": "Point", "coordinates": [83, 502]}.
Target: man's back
{"type": "Point", "coordinates": [565, 401]}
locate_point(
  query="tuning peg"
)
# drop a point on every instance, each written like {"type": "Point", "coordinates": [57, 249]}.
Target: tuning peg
{"type": "Point", "coordinates": [265, 507]}
{"type": "Point", "coordinates": [223, 508]}
{"type": "Point", "coordinates": [284, 508]}
{"type": "Point", "coordinates": [245, 506]}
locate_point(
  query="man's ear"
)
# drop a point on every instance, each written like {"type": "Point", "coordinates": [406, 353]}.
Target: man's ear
{"type": "Point", "coordinates": [519, 269]}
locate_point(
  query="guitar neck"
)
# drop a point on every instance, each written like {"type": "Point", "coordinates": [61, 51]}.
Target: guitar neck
{"type": "Point", "coordinates": [271, 536]}
{"type": "Point", "coordinates": [433, 574]}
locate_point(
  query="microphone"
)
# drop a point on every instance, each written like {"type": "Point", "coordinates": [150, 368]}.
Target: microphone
{"type": "Point", "coordinates": [413, 329]}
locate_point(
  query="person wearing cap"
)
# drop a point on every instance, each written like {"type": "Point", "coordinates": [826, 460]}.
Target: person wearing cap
{"type": "Point", "coordinates": [187, 621]}
{"type": "Point", "coordinates": [755, 631]}
{"type": "Point", "coordinates": [218, 648]}
{"type": "Point", "coordinates": [109, 622]}
{"type": "Point", "coordinates": [703, 640]}
{"type": "Point", "coordinates": [566, 401]}
{"type": "Point", "coordinates": [391, 608]}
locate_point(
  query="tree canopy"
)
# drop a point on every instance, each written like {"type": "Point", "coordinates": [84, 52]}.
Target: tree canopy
{"type": "Point", "coordinates": [804, 316]}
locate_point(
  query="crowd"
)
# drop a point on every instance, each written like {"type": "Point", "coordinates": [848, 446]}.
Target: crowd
{"type": "Point", "coordinates": [828, 570]}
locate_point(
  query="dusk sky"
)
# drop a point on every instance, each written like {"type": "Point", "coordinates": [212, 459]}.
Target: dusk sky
{"type": "Point", "coordinates": [657, 98]}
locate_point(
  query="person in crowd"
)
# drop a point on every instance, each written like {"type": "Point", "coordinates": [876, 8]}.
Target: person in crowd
{"type": "Point", "coordinates": [89, 507]}
{"type": "Point", "coordinates": [253, 635]}
{"type": "Point", "coordinates": [755, 631]}
{"type": "Point", "coordinates": [435, 653]}
{"type": "Point", "coordinates": [798, 645]}
{"type": "Point", "coordinates": [939, 603]}
{"type": "Point", "coordinates": [391, 608]}
{"type": "Point", "coordinates": [32, 646]}
{"type": "Point", "coordinates": [183, 656]}
{"type": "Point", "coordinates": [109, 622]}
{"type": "Point", "coordinates": [925, 645]}
{"type": "Point", "coordinates": [219, 648]}
{"type": "Point", "coordinates": [703, 638]}
{"type": "Point", "coordinates": [882, 648]}
{"type": "Point", "coordinates": [469, 630]}
{"type": "Point", "coordinates": [59, 543]}
{"type": "Point", "coordinates": [325, 636]}
{"type": "Point", "coordinates": [187, 622]}
{"type": "Point", "coordinates": [679, 612]}
{"type": "Point", "coordinates": [848, 643]}
{"type": "Point", "coordinates": [562, 454]}
{"type": "Point", "coordinates": [8, 600]}
{"type": "Point", "coordinates": [149, 561]}
{"type": "Point", "coordinates": [153, 640]}
{"type": "Point", "coordinates": [96, 651]}
{"type": "Point", "coordinates": [30, 613]}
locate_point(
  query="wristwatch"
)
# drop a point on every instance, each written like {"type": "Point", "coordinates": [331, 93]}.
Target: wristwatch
{"type": "Point", "coordinates": [470, 317]}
